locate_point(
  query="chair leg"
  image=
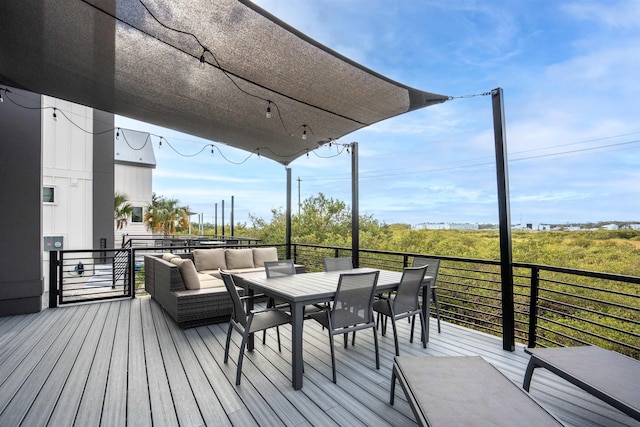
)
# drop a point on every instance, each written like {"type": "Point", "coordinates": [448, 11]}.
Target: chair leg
{"type": "Point", "coordinates": [434, 296]}
{"type": "Point", "coordinates": [413, 324]}
{"type": "Point", "coordinates": [333, 357]}
{"type": "Point", "coordinates": [226, 346]}
{"type": "Point", "coordinates": [241, 358]}
{"type": "Point", "coordinates": [395, 336]}
{"type": "Point", "coordinates": [353, 340]}
{"type": "Point", "coordinates": [423, 324]}
{"type": "Point", "coordinates": [393, 386]}
{"type": "Point", "coordinates": [278, 333]}
{"type": "Point", "coordinates": [375, 340]}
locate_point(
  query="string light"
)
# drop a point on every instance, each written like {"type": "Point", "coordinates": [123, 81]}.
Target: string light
{"type": "Point", "coordinates": [268, 113]}
{"type": "Point", "coordinates": [213, 147]}
{"type": "Point", "coordinates": [304, 133]}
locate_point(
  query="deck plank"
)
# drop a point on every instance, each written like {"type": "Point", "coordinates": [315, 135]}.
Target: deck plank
{"type": "Point", "coordinates": [31, 385]}
{"type": "Point", "coordinates": [90, 410]}
{"type": "Point", "coordinates": [162, 410]}
{"type": "Point", "coordinates": [127, 362]}
{"type": "Point", "coordinates": [114, 411]}
{"type": "Point", "coordinates": [184, 401]}
{"type": "Point", "coordinates": [211, 410]}
{"type": "Point", "coordinates": [71, 396]}
{"type": "Point", "coordinates": [138, 404]}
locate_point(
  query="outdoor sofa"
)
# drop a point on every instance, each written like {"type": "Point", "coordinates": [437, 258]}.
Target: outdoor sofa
{"type": "Point", "coordinates": [188, 285]}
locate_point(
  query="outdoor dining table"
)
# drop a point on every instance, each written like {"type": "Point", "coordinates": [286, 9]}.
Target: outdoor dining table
{"type": "Point", "coordinates": [303, 289]}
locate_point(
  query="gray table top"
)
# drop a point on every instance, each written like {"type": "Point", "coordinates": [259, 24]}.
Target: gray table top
{"type": "Point", "coordinates": [313, 287]}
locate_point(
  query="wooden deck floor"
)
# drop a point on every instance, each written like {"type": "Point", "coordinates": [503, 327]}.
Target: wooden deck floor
{"type": "Point", "coordinates": [127, 363]}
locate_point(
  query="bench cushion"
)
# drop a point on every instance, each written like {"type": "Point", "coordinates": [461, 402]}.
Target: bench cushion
{"type": "Point", "coordinates": [239, 258]}
{"type": "Point", "coordinates": [192, 279]}
{"type": "Point", "coordinates": [209, 259]}
{"type": "Point", "coordinates": [260, 255]}
{"type": "Point", "coordinates": [169, 256]}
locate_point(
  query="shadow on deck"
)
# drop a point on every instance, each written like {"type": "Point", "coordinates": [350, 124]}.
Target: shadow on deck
{"type": "Point", "coordinates": [127, 363]}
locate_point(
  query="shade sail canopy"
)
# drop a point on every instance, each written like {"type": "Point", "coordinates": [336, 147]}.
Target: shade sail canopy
{"type": "Point", "coordinates": [207, 68]}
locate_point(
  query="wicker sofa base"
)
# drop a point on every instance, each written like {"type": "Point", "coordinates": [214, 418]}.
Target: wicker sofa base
{"type": "Point", "coordinates": [187, 307]}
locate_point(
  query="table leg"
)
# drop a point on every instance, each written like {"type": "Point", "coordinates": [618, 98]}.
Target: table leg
{"type": "Point", "coordinates": [297, 364]}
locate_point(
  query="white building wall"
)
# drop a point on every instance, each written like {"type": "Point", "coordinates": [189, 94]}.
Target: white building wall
{"type": "Point", "coordinates": [67, 165]}
{"type": "Point", "coordinates": [136, 183]}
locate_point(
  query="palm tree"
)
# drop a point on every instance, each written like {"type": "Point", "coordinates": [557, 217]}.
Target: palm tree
{"type": "Point", "coordinates": [163, 215]}
{"type": "Point", "coordinates": [122, 210]}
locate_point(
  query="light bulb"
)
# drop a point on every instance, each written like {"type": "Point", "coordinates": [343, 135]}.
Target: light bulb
{"type": "Point", "coordinates": [304, 133]}
{"type": "Point", "coordinates": [160, 143]}
{"type": "Point", "coordinates": [268, 114]}
{"type": "Point", "coordinates": [202, 61]}
{"type": "Point", "coordinates": [118, 134]}
{"type": "Point", "coordinates": [212, 150]}
{"type": "Point", "coordinates": [55, 116]}
{"type": "Point", "coordinates": [1, 98]}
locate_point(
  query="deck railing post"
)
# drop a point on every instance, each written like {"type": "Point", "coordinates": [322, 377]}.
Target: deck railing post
{"type": "Point", "coordinates": [53, 279]}
{"type": "Point", "coordinates": [132, 275]}
{"type": "Point", "coordinates": [506, 263]}
{"type": "Point", "coordinates": [533, 306]}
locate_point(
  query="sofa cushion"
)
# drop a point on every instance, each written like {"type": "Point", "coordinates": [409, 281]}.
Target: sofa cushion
{"type": "Point", "coordinates": [239, 258]}
{"type": "Point", "coordinates": [209, 259]}
{"type": "Point", "coordinates": [169, 256]}
{"type": "Point", "coordinates": [188, 272]}
{"type": "Point", "coordinates": [207, 281]}
{"type": "Point", "coordinates": [260, 255]}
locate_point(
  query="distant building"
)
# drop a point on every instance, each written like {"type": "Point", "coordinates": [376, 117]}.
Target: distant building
{"type": "Point", "coordinates": [134, 161]}
{"type": "Point", "coordinates": [610, 227]}
{"type": "Point", "coordinates": [446, 226]}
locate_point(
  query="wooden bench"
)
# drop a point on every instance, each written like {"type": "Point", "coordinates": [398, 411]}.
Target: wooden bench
{"type": "Point", "coordinates": [610, 376]}
{"type": "Point", "coordinates": [464, 390]}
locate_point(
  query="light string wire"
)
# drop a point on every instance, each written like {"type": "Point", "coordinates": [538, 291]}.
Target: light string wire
{"type": "Point", "coordinates": [120, 132]}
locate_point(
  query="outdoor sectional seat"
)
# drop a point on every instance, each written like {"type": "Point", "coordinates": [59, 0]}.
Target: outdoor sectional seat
{"type": "Point", "coordinates": [188, 285]}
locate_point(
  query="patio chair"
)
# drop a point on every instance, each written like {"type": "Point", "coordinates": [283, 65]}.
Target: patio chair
{"type": "Point", "coordinates": [338, 264]}
{"type": "Point", "coordinates": [248, 323]}
{"type": "Point", "coordinates": [277, 269]}
{"type": "Point", "coordinates": [352, 310]}
{"type": "Point", "coordinates": [404, 303]}
{"type": "Point", "coordinates": [434, 266]}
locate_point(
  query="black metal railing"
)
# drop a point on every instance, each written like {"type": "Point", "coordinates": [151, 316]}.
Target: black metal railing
{"type": "Point", "coordinates": [553, 306]}
{"type": "Point", "coordinates": [90, 275]}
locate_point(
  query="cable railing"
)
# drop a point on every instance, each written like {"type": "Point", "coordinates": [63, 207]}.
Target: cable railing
{"type": "Point", "coordinates": [569, 306]}
{"type": "Point", "coordinates": [553, 306]}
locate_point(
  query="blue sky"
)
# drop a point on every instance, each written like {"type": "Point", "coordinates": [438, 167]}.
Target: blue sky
{"type": "Point", "coordinates": [569, 71]}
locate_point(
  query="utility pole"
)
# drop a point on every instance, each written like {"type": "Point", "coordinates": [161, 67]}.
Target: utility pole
{"type": "Point", "coordinates": [299, 181]}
